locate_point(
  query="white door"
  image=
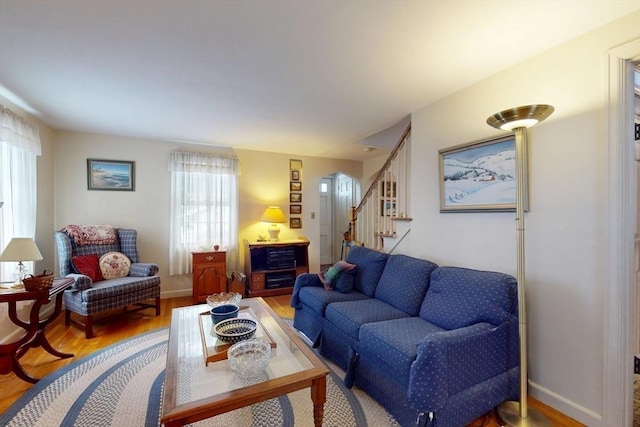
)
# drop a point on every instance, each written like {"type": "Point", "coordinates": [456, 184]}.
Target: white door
{"type": "Point", "coordinates": [326, 221]}
{"type": "Point", "coordinates": [345, 199]}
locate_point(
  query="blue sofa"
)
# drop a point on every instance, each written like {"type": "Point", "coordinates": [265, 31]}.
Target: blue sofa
{"type": "Point", "coordinates": [86, 298]}
{"type": "Point", "coordinates": [433, 345]}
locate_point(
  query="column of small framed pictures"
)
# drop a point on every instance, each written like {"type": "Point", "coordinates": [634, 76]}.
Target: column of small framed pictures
{"type": "Point", "coordinates": [295, 193]}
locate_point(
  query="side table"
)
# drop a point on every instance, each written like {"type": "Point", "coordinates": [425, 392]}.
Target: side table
{"type": "Point", "coordinates": [35, 327]}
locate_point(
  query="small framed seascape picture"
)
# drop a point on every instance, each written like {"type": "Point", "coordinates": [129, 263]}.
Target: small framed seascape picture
{"type": "Point", "coordinates": [295, 197]}
{"type": "Point", "coordinates": [110, 175]}
{"type": "Point", "coordinates": [295, 222]}
{"type": "Point", "coordinates": [295, 186]}
{"type": "Point", "coordinates": [295, 175]}
{"type": "Point", "coordinates": [295, 209]}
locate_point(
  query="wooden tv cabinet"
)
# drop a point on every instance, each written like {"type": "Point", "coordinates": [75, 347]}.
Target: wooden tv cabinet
{"type": "Point", "coordinates": [272, 267]}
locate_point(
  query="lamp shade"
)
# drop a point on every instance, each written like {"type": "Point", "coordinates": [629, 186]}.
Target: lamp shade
{"type": "Point", "coordinates": [525, 116]}
{"type": "Point", "coordinates": [21, 249]}
{"type": "Point", "coordinates": [273, 214]}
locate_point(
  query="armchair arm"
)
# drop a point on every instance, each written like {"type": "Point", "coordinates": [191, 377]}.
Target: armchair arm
{"type": "Point", "coordinates": [80, 282]}
{"type": "Point", "coordinates": [450, 361]}
{"type": "Point", "coordinates": [305, 279]}
{"type": "Point", "coordinates": [143, 269]}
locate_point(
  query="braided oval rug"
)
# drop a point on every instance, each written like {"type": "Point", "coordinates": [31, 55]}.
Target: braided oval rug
{"type": "Point", "coordinates": [121, 385]}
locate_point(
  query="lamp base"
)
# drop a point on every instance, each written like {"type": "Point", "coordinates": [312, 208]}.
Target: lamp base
{"type": "Point", "coordinates": [274, 232]}
{"type": "Point", "coordinates": [509, 415]}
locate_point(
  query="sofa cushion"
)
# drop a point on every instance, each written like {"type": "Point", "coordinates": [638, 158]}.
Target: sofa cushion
{"type": "Point", "coordinates": [404, 282]}
{"type": "Point", "coordinates": [392, 344]}
{"type": "Point", "coordinates": [459, 297]}
{"type": "Point", "coordinates": [317, 298]}
{"type": "Point", "coordinates": [369, 266]}
{"type": "Point", "coordinates": [348, 316]}
{"type": "Point", "coordinates": [89, 265]}
{"type": "Point", "coordinates": [118, 288]}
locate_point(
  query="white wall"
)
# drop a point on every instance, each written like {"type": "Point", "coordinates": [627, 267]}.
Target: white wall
{"type": "Point", "coordinates": [565, 237]}
{"type": "Point", "coordinates": [264, 181]}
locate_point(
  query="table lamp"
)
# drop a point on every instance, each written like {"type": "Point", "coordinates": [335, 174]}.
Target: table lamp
{"type": "Point", "coordinates": [21, 249]}
{"type": "Point", "coordinates": [274, 215]}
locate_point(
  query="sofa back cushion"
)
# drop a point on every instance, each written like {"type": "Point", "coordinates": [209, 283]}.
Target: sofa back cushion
{"type": "Point", "coordinates": [369, 266]}
{"type": "Point", "coordinates": [459, 297]}
{"type": "Point", "coordinates": [404, 282]}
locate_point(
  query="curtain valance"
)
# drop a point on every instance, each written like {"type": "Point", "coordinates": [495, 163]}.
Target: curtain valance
{"type": "Point", "coordinates": [19, 132]}
{"type": "Point", "coordinates": [184, 161]}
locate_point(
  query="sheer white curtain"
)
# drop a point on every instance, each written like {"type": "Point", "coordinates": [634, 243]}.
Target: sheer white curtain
{"type": "Point", "coordinates": [204, 207]}
{"type": "Point", "coordinates": [19, 146]}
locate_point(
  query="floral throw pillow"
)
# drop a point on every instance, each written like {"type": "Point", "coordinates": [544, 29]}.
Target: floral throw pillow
{"type": "Point", "coordinates": [114, 265]}
{"type": "Point", "coordinates": [89, 265]}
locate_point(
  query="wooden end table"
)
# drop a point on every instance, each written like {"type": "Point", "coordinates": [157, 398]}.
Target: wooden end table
{"type": "Point", "coordinates": [35, 327]}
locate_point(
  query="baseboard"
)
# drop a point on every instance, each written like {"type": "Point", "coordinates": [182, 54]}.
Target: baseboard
{"type": "Point", "coordinates": [568, 407]}
{"type": "Point", "coordinates": [176, 294]}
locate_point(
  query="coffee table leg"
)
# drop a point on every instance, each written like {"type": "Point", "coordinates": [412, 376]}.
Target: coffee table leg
{"type": "Point", "coordinates": [319, 397]}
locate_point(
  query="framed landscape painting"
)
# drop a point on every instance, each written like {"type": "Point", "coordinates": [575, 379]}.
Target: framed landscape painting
{"type": "Point", "coordinates": [112, 175]}
{"type": "Point", "coordinates": [480, 176]}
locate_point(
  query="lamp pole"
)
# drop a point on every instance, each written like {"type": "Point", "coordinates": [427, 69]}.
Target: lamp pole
{"type": "Point", "coordinates": [518, 120]}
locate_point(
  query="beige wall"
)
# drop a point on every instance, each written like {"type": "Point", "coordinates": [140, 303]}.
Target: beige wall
{"type": "Point", "coordinates": [264, 180]}
{"type": "Point", "coordinates": [565, 237]}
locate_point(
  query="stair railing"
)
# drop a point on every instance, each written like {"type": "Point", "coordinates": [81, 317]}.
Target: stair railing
{"type": "Point", "coordinates": [387, 199]}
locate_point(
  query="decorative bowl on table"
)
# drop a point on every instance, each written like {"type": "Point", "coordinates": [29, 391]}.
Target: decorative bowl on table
{"type": "Point", "coordinates": [250, 357]}
{"type": "Point", "coordinates": [235, 330]}
{"type": "Point", "coordinates": [223, 312]}
{"type": "Point", "coordinates": [224, 298]}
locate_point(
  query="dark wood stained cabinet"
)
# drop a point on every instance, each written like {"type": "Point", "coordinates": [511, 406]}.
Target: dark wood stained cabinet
{"type": "Point", "coordinates": [209, 274]}
{"type": "Point", "coordinates": [272, 267]}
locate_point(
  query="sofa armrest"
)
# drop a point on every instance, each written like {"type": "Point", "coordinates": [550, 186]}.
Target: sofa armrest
{"type": "Point", "coordinates": [451, 361]}
{"type": "Point", "coordinates": [80, 282]}
{"type": "Point", "coordinates": [305, 279]}
{"type": "Point", "coordinates": [142, 269]}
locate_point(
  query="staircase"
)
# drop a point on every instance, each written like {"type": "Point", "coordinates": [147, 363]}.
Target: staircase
{"type": "Point", "coordinates": [375, 221]}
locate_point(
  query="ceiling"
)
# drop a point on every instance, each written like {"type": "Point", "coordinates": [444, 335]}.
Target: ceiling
{"type": "Point", "coordinates": [304, 77]}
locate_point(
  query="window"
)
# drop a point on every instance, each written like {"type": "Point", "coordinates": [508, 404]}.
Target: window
{"type": "Point", "coordinates": [204, 207]}
{"type": "Point", "coordinates": [19, 146]}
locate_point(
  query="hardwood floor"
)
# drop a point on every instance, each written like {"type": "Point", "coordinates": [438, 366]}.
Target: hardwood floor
{"type": "Point", "coordinates": [39, 363]}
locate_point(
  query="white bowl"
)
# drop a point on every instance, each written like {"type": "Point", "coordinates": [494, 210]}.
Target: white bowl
{"type": "Point", "coordinates": [249, 358]}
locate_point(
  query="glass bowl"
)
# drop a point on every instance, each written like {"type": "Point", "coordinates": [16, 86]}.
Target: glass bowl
{"type": "Point", "coordinates": [249, 358]}
{"type": "Point", "coordinates": [235, 330]}
{"type": "Point", "coordinates": [224, 298]}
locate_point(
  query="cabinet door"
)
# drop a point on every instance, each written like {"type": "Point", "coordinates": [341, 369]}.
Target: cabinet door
{"type": "Point", "coordinates": [209, 279]}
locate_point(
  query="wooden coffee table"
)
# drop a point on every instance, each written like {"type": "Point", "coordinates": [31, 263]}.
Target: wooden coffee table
{"type": "Point", "coordinates": [194, 390]}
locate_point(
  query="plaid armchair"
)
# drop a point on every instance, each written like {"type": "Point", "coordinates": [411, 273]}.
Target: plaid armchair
{"type": "Point", "coordinates": [87, 298]}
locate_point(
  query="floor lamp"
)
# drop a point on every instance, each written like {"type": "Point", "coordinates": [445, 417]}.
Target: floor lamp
{"type": "Point", "coordinates": [518, 120]}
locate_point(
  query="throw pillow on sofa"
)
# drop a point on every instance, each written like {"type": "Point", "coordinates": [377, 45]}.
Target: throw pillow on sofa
{"type": "Point", "coordinates": [338, 277]}
{"type": "Point", "coordinates": [89, 265]}
{"type": "Point", "coordinates": [114, 265]}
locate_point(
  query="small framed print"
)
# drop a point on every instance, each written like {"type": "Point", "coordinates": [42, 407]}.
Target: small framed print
{"type": "Point", "coordinates": [295, 197]}
{"type": "Point", "coordinates": [295, 186]}
{"type": "Point", "coordinates": [111, 175]}
{"type": "Point", "coordinates": [295, 222]}
{"type": "Point", "coordinates": [295, 209]}
{"type": "Point", "coordinates": [295, 175]}
{"type": "Point", "coordinates": [295, 164]}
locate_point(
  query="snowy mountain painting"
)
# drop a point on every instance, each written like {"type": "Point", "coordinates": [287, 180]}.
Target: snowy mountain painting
{"type": "Point", "coordinates": [480, 177]}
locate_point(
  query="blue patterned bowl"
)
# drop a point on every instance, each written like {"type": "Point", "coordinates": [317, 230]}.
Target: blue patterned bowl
{"type": "Point", "coordinates": [235, 330]}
